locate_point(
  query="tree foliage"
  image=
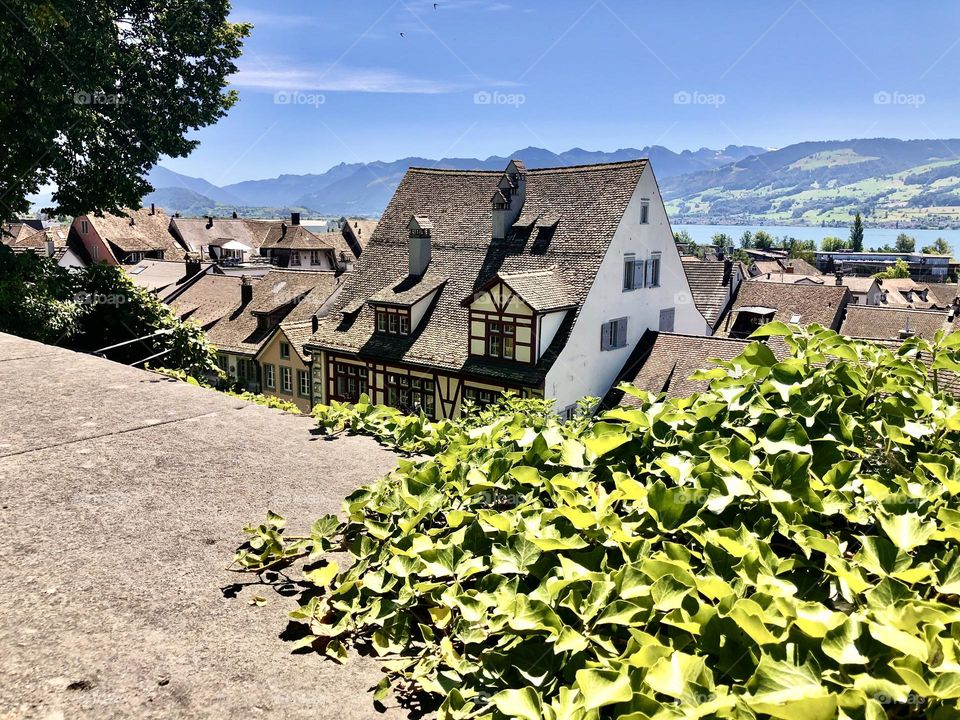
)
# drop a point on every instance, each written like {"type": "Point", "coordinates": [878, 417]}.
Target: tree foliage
{"type": "Point", "coordinates": [900, 269]}
{"type": "Point", "coordinates": [905, 243]}
{"type": "Point", "coordinates": [782, 545]}
{"type": "Point", "coordinates": [93, 93]}
{"type": "Point", "coordinates": [938, 247]}
{"type": "Point", "coordinates": [94, 308]}
{"type": "Point", "coordinates": [834, 244]}
{"type": "Point", "coordinates": [856, 234]}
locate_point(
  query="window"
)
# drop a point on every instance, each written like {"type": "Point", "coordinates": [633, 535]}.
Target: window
{"type": "Point", "coordinates": [613, 334]}
{"type": "Point", "coordinates": [381, 321]}
{"type": "Point", "coordinates": [350, 381]}
{"type": "Point", "coordinates": [84, 227]}
{"type": "Point", "coordinates": [286, 379]}
{"type": "Point", "coordinates": [393, 323]}
{"type": "Point", "coordinates": [294, 258]}
{"type": "Point", "coordinates": [223, 361]}
{"type": "Point", "coordinates": [644, 211]}
{"type": "Point", "coordinates": [284, 351]}
{"type": "Point", "coordinates": [653, 270]}
{"type": "Point", "coordinates": [316, 257]}
{"type": "Point", "coordinates": [411, 394]}
{"type": "Point", "coordinates": [404, 324]}
{"type": "Point", "coordinates": [303, 383]}
{"type": "Point", "coordinates": [633, 271]}
{"type": "Point", "coordinates": [480, 398]}
{"type": "Point", "coordinates": [501, 337]}
{"type": "Point", "coordinates": [667, 319]}
{"type": "Point", "coordinates": [269, 376]}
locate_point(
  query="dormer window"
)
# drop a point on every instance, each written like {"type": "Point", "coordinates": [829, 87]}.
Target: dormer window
{"type": "Point", "coordinates": [501, 336]}
{"type": "Point", "coordinates": [393, 320]}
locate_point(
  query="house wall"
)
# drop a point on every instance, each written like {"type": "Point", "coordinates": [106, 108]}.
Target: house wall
{"type": "Point", "coordinates": [324, 262]}
{"type": "Point", "coordinates": [448, 388]}
{"type": "Point", "coordinates": [582, 369]}
{"type": "Point", "coordinates": [418, 310]}
{"type": "Point", "coordinates": [96, 246]}
{"type": "Point", "coordinates": [549, 324]}
{"type": "Point", "coordinates": [230, 363]}
{"type": "Point", "coordinates": [270, 355]}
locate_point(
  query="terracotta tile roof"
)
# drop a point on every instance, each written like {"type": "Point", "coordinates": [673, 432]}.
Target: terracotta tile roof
{"type": "Point", "coordinates": [298, 333]}
{"type": "Point", "coordinates": [907, 293]}
{"type": "Point", "coordinates": [943, 294]}
{"type": "Point", "coordinates": [276, 293]}
{"type": "Point", "coordinates": [358, 233]}
{"type": "Point", "coordinates": [887, 323]}
{"type": "Point", "coordinates": [801, 304]}
{"type": "Point", "coordinates": [208, 299]}
{"type": "Point", "coordinates": [409, 289]}
{"type": "Point", "coordinates": [149, 232]}
{"type": "Point", "coordinates": [592, 200]}
{"type": "Point", "coordinates": [709, 283]}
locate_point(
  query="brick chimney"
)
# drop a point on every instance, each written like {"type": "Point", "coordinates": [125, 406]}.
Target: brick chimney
{"type": "Point", "coordinates": [294, 218]}
{"type": "Point", "coordinates": [51, 246]}
{"type": "Point", "coordinates": [246, 290]}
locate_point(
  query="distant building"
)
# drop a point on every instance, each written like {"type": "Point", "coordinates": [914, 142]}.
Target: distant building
{"type": "Point", "coordinates": [922, 266]}
{"type": "Point", "coordinates": [54, 242]}
{"type": "Point", "coordinates": [128, 238]}
{"type": "Point", "coordinates": [894, 323]}
{"type": "Point", "coordinates": [226, 241]}
{"type": "Point", "coordinates": [713, 286]}
{"type": "Point", "coordinates": [168, 278]}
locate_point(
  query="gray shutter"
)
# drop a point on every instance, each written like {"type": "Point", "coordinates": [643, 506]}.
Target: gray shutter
{"type": "Point", "coordinates": [622, 332]}
{"type": "Point", "coordinates": [638, 274]}
{"type": "Point", "coordinates": [605, 336]}
{"type": "Point", "coordinates": [667, 319]}
{"type": "Point", "coordinates": [650, 265]}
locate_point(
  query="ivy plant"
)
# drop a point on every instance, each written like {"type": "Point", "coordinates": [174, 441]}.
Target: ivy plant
{"type": "Point", "coordinates": [781, 545]}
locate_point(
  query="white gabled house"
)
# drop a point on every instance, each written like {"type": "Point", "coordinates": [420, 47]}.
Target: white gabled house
{"type": "Point", "coordinates": [475, 282]}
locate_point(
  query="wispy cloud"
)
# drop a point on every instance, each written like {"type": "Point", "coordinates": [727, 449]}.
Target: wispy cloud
{"type": "Point", "coordinates": [447, 5]}
{"type": "Point", "coordinates": [339, 78]}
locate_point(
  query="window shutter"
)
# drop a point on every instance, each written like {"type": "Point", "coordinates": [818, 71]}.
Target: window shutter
{"type": "Point", "coordinates": [605, 336]}
{"type": "Point", "coordinates": [622, 332]}
{"type": "Point", "coordinates": [638, 273]}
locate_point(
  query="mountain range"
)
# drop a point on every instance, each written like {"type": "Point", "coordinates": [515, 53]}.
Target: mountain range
{"type": "Point", "coordinates": [366, 188]}
{"type": "Point", "coordinates": [893, 182]}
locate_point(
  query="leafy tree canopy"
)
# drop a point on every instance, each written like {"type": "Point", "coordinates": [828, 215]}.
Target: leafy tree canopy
{"type": "Point", "coordinates": [856, 234]}
{"type": "Point", "coordinates": [905, 243]}
{"type": "Point", "coordinates": [938, 247]}
{"type": "Point", "coordinates": [899, 269]}
{"type": "Point", "coordinates": [834, 244]}
{"type": "Point", "coordinates": [784, 545]}
{"type": "Point", "coordinates": [93, 93]}
{"type": "Point", "coordinates": [94, 308]}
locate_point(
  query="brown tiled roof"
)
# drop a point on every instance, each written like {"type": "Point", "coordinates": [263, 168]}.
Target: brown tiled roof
{"type": "Point", "coordinates": [275, 293]}
{"type": "Point", "coordinates": [943, 294]}
{"type": "Point", "coordinates": [667, 360]}
{"type": "Point", "coordinates": [787, 266]}
{"type": "Point", "coordinates": [907, 293]}
{"type": "Point", "coordinates": [886, 323]}
{"type": "Point", "coordinates": [592, 200]}
{"type": "Point", "coordinates": [298, 333]}
{"type": "Point", "coordinates": [409, 289]}
{"type": "Point", "coordinates": [155, 275]}
{"type": "Point", "coordinates": [150, 231]}
{"type": "Point", "coordinates": [208, 299]}
{"type": "Point", "coordinates": [359, 231]}
{"type": "Point", "coordinates": [710, 286]}
{"type": "Point", "coordinates": [313, 302]}
{"type": "Point", "coordinates": [803, 304]}
{"type": "Point", "coordinates": [296, 237]}
{"type": "Point", "coordinates": [198, 232]}
{"type": "Point", "coordinates": [542, 290]}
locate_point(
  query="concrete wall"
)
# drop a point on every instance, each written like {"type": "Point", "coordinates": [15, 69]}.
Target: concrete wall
{"type": "Point", "coordinates": [582, 368]}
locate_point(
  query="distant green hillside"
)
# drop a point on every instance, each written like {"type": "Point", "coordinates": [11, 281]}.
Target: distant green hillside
{"type": "Point", "coordinates": [910, 183]}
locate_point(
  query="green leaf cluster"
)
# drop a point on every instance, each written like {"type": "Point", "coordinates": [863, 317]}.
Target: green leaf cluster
{"type": "Point", "coordinates": [783, 545]}
{"type": "Point", "coordinates": [93, 308]}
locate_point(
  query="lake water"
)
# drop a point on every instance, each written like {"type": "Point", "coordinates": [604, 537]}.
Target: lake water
{"type": "Point", "coordinates": [872, 237]}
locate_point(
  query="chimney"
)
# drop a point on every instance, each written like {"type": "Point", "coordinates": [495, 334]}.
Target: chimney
{"type": "Point", "coordinates": [234, 214]}
{"type": "Point", "coordinates": [246, 290]}
{"type": "Point", "coordinates": [509, 198]}
{"type": "Point", "coordinates": [314, 323]}
{"type": "Point", "coordinates": [727, 271]}
{"type": "Point", "coordinates": [193, 264]}
{"type": "Point", "coordinates": [294, 218]}
{"type": "Point", "coordinates": [51, 247]}
{"type": "Point", "coordinates": [209, 221]}
{"type": "Point", "coordinates": [283, 229]}
{"type": "Point", "coordinates": [839, 277]}
{"type": "Point", "coordinates": [420, 244]}
{"type": "Point", "coordinates": [153, 208]}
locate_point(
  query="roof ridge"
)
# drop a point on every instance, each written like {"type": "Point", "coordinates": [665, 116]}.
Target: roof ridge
{"type": "Point", "coordinates": [536, 171]}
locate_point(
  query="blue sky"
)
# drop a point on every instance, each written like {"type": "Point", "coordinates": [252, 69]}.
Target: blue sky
{"type": "Point", "coordinates": [326, 82]}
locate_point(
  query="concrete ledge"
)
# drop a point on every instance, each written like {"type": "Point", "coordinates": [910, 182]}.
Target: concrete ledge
{"type": "Point", "coordinates": [123, 498]}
